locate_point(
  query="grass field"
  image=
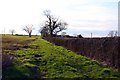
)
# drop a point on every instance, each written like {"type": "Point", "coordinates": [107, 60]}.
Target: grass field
{"type": "Point", "coordinates": [36, 58]}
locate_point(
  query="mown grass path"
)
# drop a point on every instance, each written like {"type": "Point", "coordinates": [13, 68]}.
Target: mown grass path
{"type": "Point", "coordinates": [45, 60]}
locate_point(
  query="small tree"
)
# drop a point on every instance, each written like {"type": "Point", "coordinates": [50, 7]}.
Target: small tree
{"type": "Point", "coordinates": [44, 31]}
{"type": "Point", "coordinates": [113, 34]}
{"type": "Point", "coordinates": [12, 31]}
{"type": "Point", "coordinates": [28, 29]}
{"type": "Point", "coordinates": [79, 36]}
{"type": "Point", "coordinates": [63, 34]}
{"type": "Point", "coordinates": [116, 33]}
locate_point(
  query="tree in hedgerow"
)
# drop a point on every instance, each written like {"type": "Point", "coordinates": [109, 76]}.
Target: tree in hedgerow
{"type": "Point", "coordinates": [52, 25]}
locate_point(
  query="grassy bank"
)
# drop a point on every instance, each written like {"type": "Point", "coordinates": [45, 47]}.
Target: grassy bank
{"type": "Point", "coordinates": [45, 60]}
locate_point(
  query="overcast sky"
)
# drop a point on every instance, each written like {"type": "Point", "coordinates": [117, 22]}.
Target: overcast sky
{"type": "Point", "coordinates": [83, 16]}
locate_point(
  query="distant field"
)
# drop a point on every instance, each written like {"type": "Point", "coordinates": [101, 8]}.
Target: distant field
{"type": "Point", "coordinates": [36, 58]}
{"type": "Point", "coordinates": [15, 42]}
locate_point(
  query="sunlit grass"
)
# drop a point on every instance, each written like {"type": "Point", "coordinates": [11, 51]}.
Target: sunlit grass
{"type": "Point", "coordinates": [45, 60]}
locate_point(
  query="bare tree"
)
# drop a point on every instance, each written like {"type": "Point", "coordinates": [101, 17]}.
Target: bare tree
{"type": "Point", "coordinates": [116, 33]}
{"type": "Point", "coordinates": [28, 29]}
{"type": "Point", "coordinates": [63, 34]}
{"type": "Point", "coordinates": [53, 25]}
{"type": "Point", "coordinates": [44, 31]}
{"type": "Point", "coordinates": [12, 31]}
{"type": "Point", "coordinates": [113, 33]}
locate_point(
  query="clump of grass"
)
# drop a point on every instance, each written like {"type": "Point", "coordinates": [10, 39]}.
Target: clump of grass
{"type": "Point", "coordinates": [7, 60]}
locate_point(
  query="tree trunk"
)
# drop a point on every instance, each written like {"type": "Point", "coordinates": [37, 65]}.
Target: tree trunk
{"type": "Point", "coordinates": [29, 34]}
{"type": "Point", "coordinates": [51, 33]}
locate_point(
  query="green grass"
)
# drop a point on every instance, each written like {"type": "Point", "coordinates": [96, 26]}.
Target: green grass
{"type": "Point", "coordinates": [45, 60]}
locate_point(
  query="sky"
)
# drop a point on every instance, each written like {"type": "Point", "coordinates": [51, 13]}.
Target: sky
{"type": "Point", "coordinates": [83, 16]}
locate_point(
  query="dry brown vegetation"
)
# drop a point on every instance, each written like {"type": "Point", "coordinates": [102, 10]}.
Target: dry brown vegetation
{"type": "Point", "coordinates": [105, 50]}
{"type": "Point", "coordinates": [11, 43]}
